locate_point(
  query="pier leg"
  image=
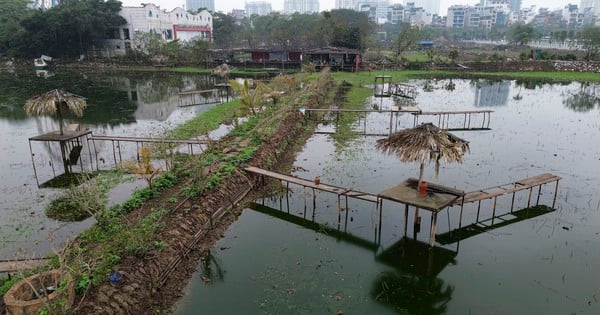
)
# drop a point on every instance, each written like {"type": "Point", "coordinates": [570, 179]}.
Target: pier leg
{"type": "Point", "coordinates": [405, 220]}
{"type": "Point", "coordinates": [494, 210]}
{"type": "Point", "coordinates": [555, 192]}
{"type": "Point", "coordinates": [380, 204]}
{"type": "Point", "coordinates": [469, 123]}
{"type": "Point", "coordinates": [478, 208]}
{"type": "Point", "coordinates": [538, 196]}
{"type": "Point", "coordinates": [433, 227]}
{"type": "Point", "coordinates": [287, 196]}
{"type": "Point", "coordinates": [529, 198]}
{"type": "Point", "coordinates": [304, 195]}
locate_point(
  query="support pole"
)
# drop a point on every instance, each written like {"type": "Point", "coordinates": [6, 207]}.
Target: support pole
{"type": "Point", "coordinates": [538, 196]}
{"type": "Point", "coordinates": [555, 192]}
{"type": "Point", "coordinates": [529, 198]}
{"type": "Point", "coordinates": [433, 227]}
{"type": "Point", "coordinates": [405, 220]}
{"type": "Point", "coordinates": [35, 171]}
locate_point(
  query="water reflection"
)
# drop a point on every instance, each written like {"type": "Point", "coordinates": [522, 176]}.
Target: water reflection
{"type": "Point", "coordinates": [410, 283]}
{"type": "Point", "coordinates": [491, 93]}
{"type": "Point", "coordinates": [585, 99]}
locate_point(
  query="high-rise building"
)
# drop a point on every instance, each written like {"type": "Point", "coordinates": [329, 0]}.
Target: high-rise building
{"type": "Point", "coordinates": [346, 4]}
{"type": "Point", "coordinates": [591, 6]}
{"type": "Point", "coordinates": [300, 6]}
{"type": "Point", "coordinates": [194, 5]}
{"type": "Point", "coordinates": [430, 6]}
{"type": "Point", "coordinates": [258, 8]}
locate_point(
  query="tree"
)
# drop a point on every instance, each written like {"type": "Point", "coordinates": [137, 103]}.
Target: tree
{"type": "Point", "coordinates": [12, 12]}
{"type": "Point", "coordinates": [226, 32]}
{"type": "Point", "coordinates": [521, 34]}
{"type": "Point", "coordinates": [345, 28]}
{"type": "Point", "coordinates": [589, 38]}
{"type": "Point", "coordinates": [70, 29]}
{"type": "Point", "coordinates": [408, 37]}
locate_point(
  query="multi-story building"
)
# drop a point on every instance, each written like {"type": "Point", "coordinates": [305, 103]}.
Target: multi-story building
{"type": "Point", "coordinates": [258, 8]}
{"type": "Point", "coordinates": [376, 9]}
{"type": "Point", "coordinates": [592, 6]}
{"type": "Point", "coordinates": [430, 6]}
{"type": "Point", "coordinates": [300, 6]}
{"type": "Point", "coordinates": [456, 16]}
{"type": "Point", "coordinates": [346, 4]}
{"type": "Point", "coordinates": [177, 24]}
{"type": "Point", "coordinates": [194, 5]}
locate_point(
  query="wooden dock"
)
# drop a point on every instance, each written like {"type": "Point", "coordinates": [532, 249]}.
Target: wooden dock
{"type": "Point", "coordinates": [525, 184]}
{"type": "Point", "coordinates": [140, 141]}
{"type": "Point", "coordinates": [436, 199]}
{"type": "Point", "coordinates": [444, 119]}
{"type": "Point", "coordinates": [11, 266]}
{"type": "Point", "coordinates": [340, 191]}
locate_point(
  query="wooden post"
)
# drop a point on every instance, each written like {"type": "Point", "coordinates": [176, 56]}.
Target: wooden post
{"type": "Point", "coordinates": [35, 171]}
{"type": "Point", "coordinates": [538, 196]}
{"type": "Point", "coordinates": [405, 220]}
{"type": "Point", "coordinates": [555, 192]}
{"type": "Point", "coordinates": [433, 226]}
{"type": "Point", "coordinates": [494, 210]}
{"type": "Point", "coordinates": [529, 198]}
{"type": "Point", "coordinates": [478, 208]}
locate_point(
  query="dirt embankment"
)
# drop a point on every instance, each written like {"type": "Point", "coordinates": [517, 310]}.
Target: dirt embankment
{"type": "Point", "coordinates": [152, 284]}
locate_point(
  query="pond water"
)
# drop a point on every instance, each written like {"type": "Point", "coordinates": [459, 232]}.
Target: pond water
{"type": "Point", "coordinates": [284, 256]}
{"type": "Point", "coordinates": [119, 104]}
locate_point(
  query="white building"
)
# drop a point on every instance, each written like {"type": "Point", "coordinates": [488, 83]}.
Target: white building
{"type": "Point", "coordinates": [346, 4]}
{"type": "Point", "coordinates": [177, 24]}
{"type": "Point", "coordinates": [300, 6]}
{"type": "Point", "coordinates": [258, 8]}
{"type": "Point", "coordinates": [430, 6]}
{"type": "Point", "coordinates": [591, 5]}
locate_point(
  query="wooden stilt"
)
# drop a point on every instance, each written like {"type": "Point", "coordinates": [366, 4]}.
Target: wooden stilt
{"type": "Point", "coordinates": [537, 202]}
{"type": "Point", "coordinates": [555, 192]}
{"type": "Point", "coordinates": [529, 198]}
{"type": "Point", "coordinates": [433, 227]}
{"type": "Point", "coordinates": [405, 220]}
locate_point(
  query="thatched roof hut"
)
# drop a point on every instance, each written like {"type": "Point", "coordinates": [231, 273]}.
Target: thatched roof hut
{"type": "Point", "coordinates": [423, 143]}
{"type": "Point", "coordinates": [55, 102]}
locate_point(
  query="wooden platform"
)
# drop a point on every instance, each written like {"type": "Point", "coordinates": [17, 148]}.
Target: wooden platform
{"type": "Point", "coordinates": [311, 184]}
{"type": "Point", "coordinates": [7, 266]}
{"type": "Point", "coordinates": [67, 135]}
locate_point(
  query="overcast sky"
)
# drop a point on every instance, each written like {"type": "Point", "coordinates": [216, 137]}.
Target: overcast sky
{"type": "Point", "coordinates": [277, 5]}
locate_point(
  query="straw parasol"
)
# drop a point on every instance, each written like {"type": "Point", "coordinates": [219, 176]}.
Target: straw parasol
{"type": "Point", "coordinates": [55, 102]}
{"type": "Point", "coordinates": [423, 143]}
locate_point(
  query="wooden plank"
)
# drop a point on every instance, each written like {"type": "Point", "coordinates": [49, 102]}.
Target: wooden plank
{"type": "Point", "coordinates": [523, 184]}
{"type": "Point", "coordinates": [311, 184]}
{"type": "Point", "coordinates": [457, 112]}
{"type": "Point", "coordinates": [539, 180]}
{"type": "Point", "coordinates": [197, 92]}
{"type": "Point", "coordinates": [142, 139]}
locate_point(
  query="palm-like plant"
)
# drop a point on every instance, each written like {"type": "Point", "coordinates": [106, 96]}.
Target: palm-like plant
{"type": "Point", "coordinates": [56, 102]}
{"type": "Point", "coordinates": [251, 97]}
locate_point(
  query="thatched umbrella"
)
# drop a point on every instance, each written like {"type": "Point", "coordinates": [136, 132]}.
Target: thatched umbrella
{"type": "Point", "coordinates": [56, 102]}
{"type": "Point", "coordinates": [424, 143]}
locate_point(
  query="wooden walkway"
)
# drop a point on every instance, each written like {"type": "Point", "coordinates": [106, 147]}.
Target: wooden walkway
{"type": "Point", "coordinates": [116, 140]}
{"type": "Point", "coordinates": [512, 188]}
{"type": "Point", "coordinates": [8, 266]}
{"type": "Point", "coordinates": [340, 191]}
{"type": "Point", "coordinates": [444, 118]}
{"type": "Point", "coordinates": [438, 197]}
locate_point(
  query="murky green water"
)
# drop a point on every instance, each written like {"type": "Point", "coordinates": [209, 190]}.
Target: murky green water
{"type": "Point", "coordinates": [120, 104]}
{"type": "Point", "coordinates": [284, 257]}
